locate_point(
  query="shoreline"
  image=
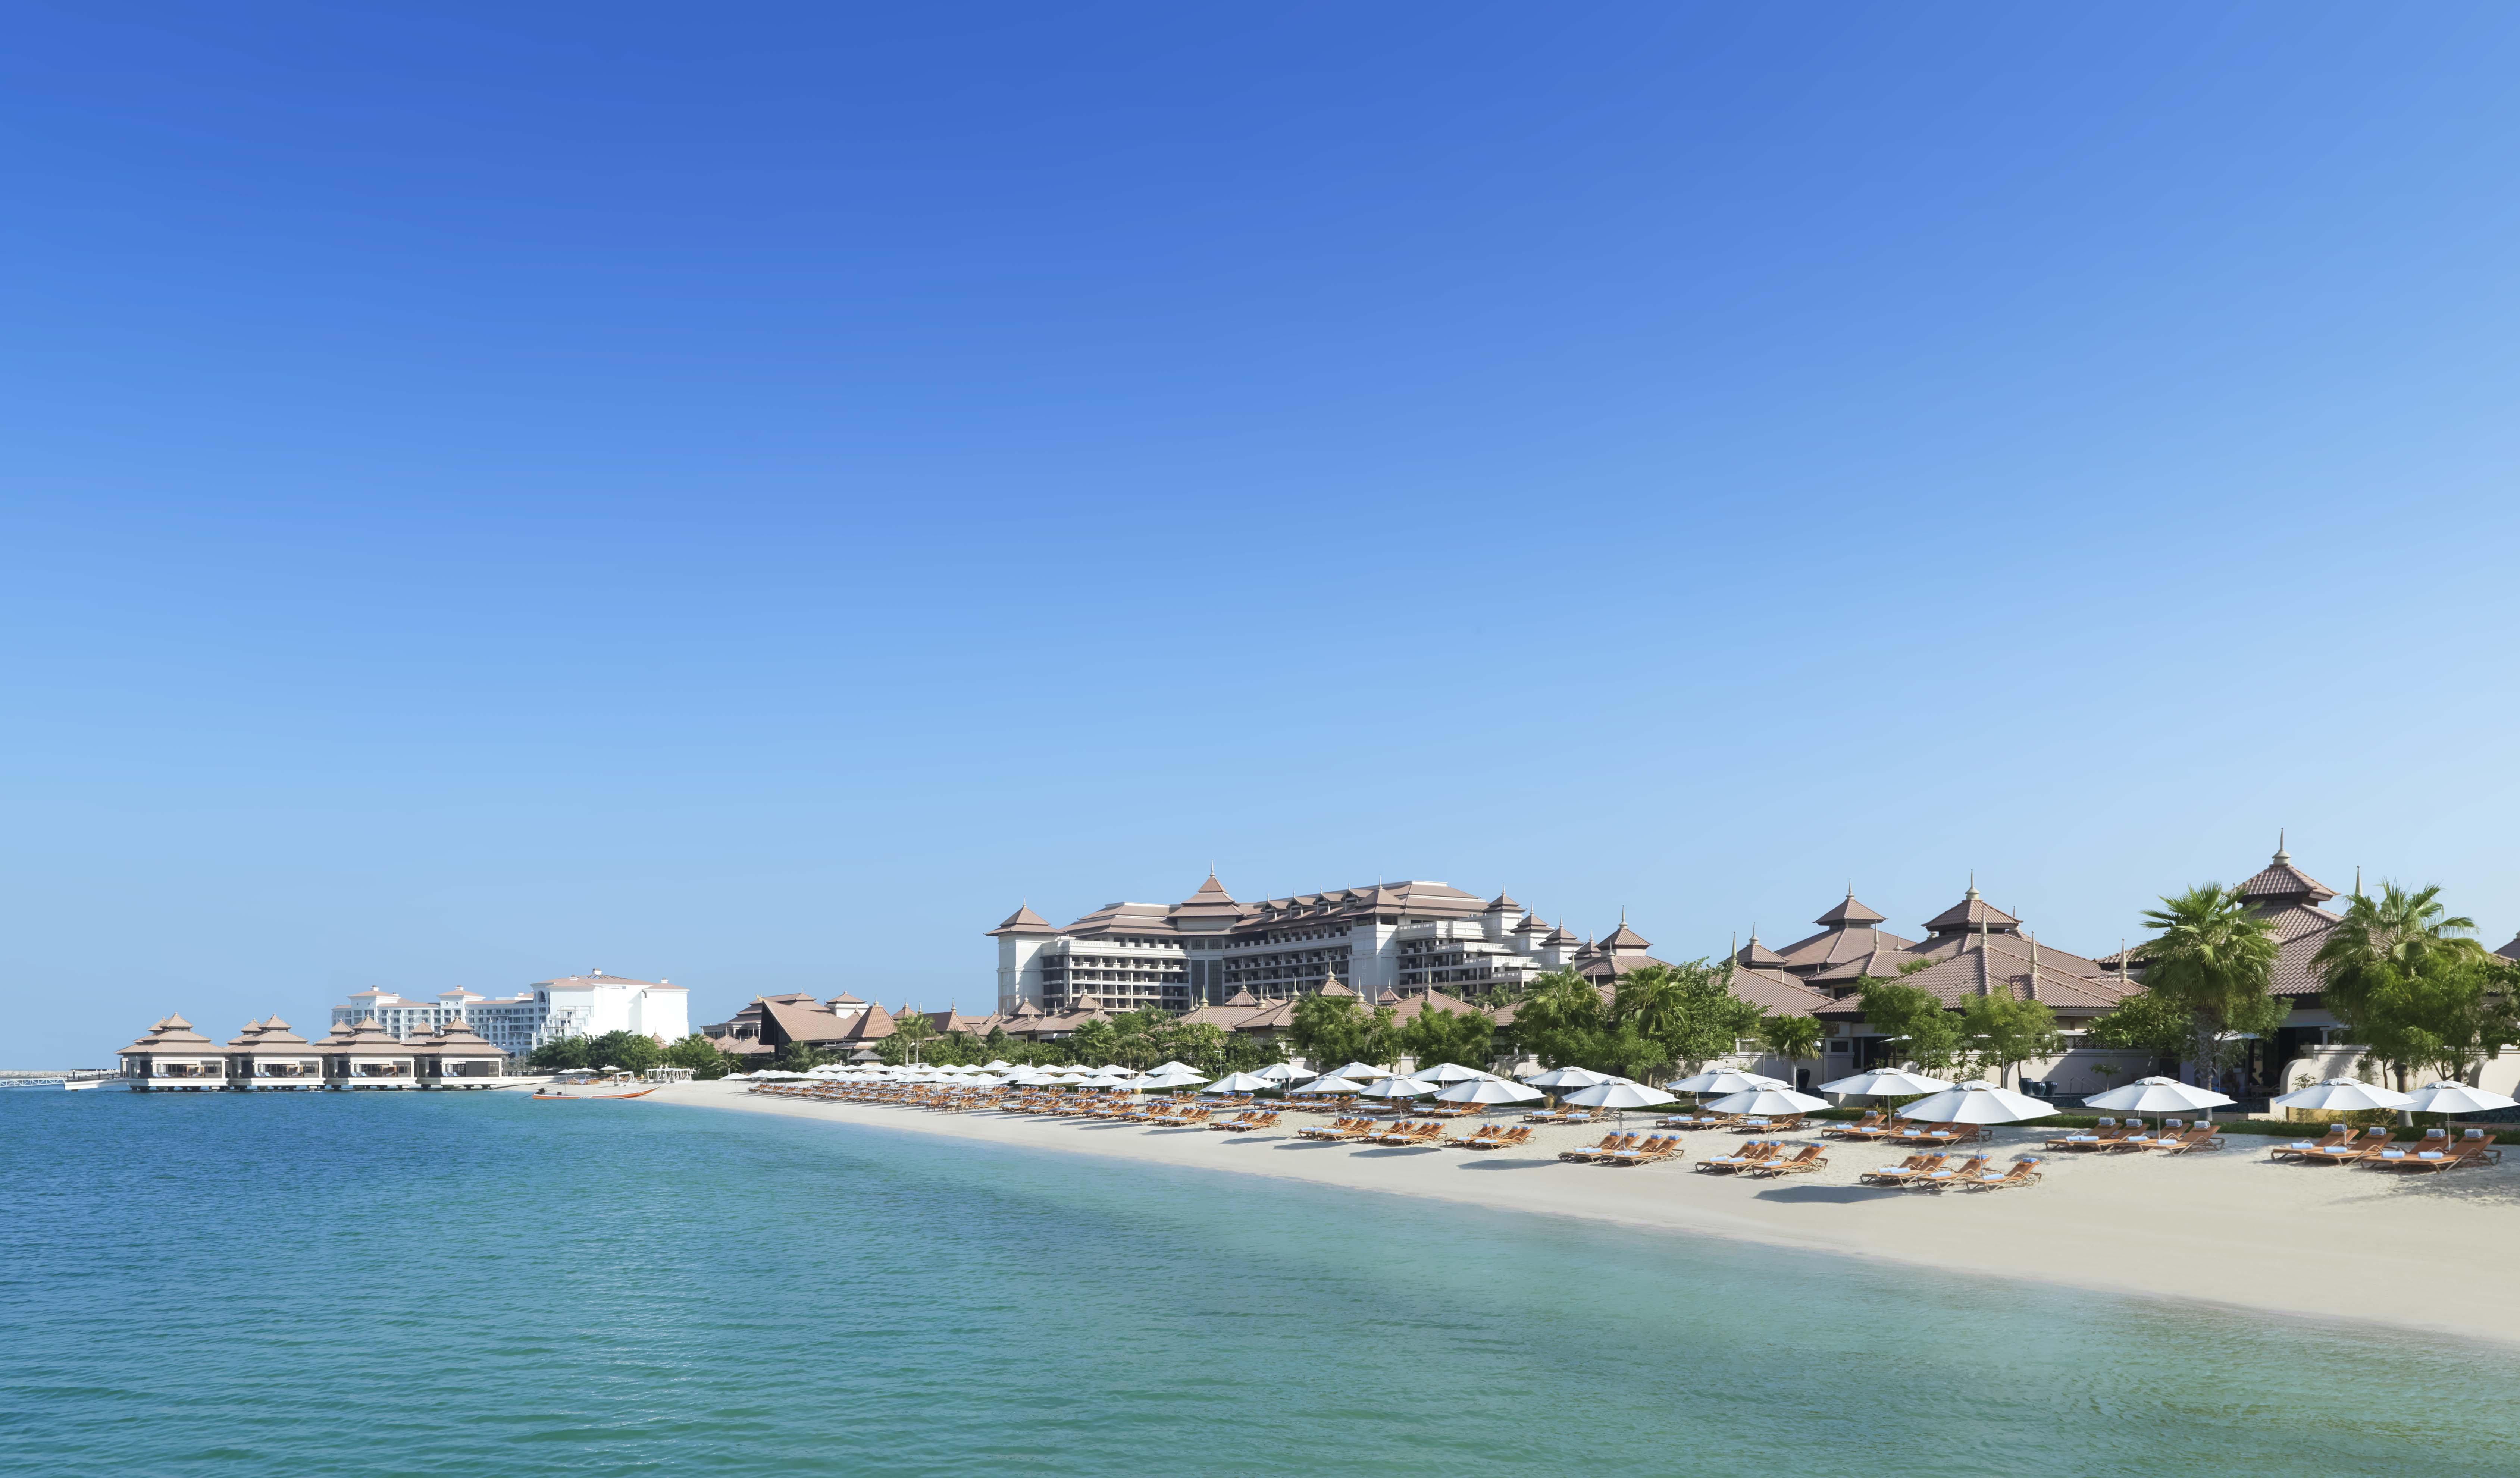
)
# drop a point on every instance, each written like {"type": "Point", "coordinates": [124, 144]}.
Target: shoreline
{"type": "Point", "coordinates": [2229, 1228]}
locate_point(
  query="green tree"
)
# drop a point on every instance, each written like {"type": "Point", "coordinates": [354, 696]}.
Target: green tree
{"type": "Point", "coordinates": [1563, 1022]}
{"type": "Point", "coordinates": [1914, 1019]}
{"type": "Point", "coordinates": [1468, 1038]}
{"type": "Point", "coordinates": [1688, 1011]}
{"type": "Point", "coordinates": [1093, 1043]}
{"type": "Point", "coordinates": [911, 1033]}
{"type": "Point", "coordinates": [2214, 955]}
{"type": "Point", "coordinates": [1796, 1039]}
{"type": "Point", "coordinates": [562, 1055]}
{"type": "Point", "coordinates": [1336, 1029]}
{"type": "Point", "coordinates": [2001, 1033]}
{"type": "Point", "coordinates": [798, 1057]}
{"type": "Point", "coordinates": [2150, 1022]}
{"type": "Point", "coordinates": [2401, 973]}
{"type": "Point", "coordinates": [699, 1055]}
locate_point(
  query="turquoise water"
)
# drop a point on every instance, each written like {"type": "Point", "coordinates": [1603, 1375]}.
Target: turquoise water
{"type": "Point", "coordinates": [394, 1283]}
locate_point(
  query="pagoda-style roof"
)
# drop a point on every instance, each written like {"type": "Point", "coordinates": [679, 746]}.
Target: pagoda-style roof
{"type": "Point", "coordinates": [1501, 904]}
{"type": "Point", "coordinates": [1023, 921]}
{"type": "Point", "coordinates": [1755, 956]}
{"type": "Point", "coordinates": [1851, 913]}
{"type": "Point", "coordinates": [2280, 882]}
{"type": "Point", "coordinates": [1626, 941]}
{"type": "Point", "coordinates": [1972, 913]}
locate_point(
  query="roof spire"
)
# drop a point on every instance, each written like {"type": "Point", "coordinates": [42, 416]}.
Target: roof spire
{"type": "Point", "coordinates": [2357, 879]}
{"type": "Point", "coordinates": [1972, 887]}
{"type": "Point", "coordinates": [2281, 856]}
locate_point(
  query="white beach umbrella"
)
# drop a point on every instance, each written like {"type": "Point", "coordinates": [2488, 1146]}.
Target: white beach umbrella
{"type": "Point", "coordinates": [1362, 1072]}
{"type": "Point", "coordinates": [1568, 1077]}
{"type": "Point", "coordinates": [2342, 1093]}
{"type": "Point", "coordinates": [2157, 1096]}
{"type": "Point", "coordinates": [1398, 1088]}
{"type": "Point", "coordinates": [1243, 1083]}
{"type": "Point", "coordinates": [1976, 1103]}
{"type": "Point", "coordinates": [1768, 1102]}
{"type": "Point", "coordinates": [1885, 1083]}
{"type": "Point", "coordinates": [1488, 1091]}
{"type": "Point", "coordinates": [2456, 1098]}
{"type": "Point", "coordinates": [1177, 1078]}
{"type": "Point", "coordinates": [997, 1064]}
{"type": "Point", "coordinates": [1328, 1086]}
{"type": "Point", "coordinates": [1161, 1068]}
{"type": "Point", "coordinates": [1725, 1080]}
{"type": "Point", "coordinates": [1621, 1096]}
{"type": "Point", "coordinates": [1448, 1072]}
{"type": "Point", "coordinates": [1286, 1072]}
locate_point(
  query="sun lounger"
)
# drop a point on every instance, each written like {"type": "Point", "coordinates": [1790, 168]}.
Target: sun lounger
{"type": "Point", "coordinates": [1903, 1172]}
{"type": "Point", "coordinates": [2099, 1136]}
{"type": "Point", "coordinates": [1428, 1133]}
{"type": "Point", "coordinates": [2477, 1147]}
{"type": "Point", "coordinates": [1612, 1143]}
{"type": "Point", "coordinates": [2024, 1172]}
{"type": "Point", "coordinates": [1872, 1120]}
{"type": "Point", "coordinates": [2374, 1140]}
{"type": "Point", "coordinates": [1948, 1175]}
{"type": "Point", "coordinates": [1808, 1158]}
{"type": "Point", "coordinates": [1499, 1139]}
{"type": "Point", "coordinates": [1649, 1151]}
{"type": "Point", "coordinates": [2336, 1135]}
{"type": "Point", "coordinates": [1752, 1153]}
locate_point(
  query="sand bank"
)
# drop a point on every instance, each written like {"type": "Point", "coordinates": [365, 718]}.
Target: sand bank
{"type": "Point", "coordinates": [2421, 1251]}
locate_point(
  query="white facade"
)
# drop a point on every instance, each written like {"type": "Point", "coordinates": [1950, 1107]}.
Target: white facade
{"type": "Point", "coordinates": [547, 1011]}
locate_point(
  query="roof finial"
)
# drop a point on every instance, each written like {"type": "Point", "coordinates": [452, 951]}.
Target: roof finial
{"type": "Point", "coordinates": [1972, 889]}
{"type": "Point", "coordinates": [2357, 879]}
{"type": "Point", "coordinates": [2281, 856]}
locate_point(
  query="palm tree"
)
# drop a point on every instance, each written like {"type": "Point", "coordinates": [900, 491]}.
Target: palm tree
{"type": "Point", "coordinates": [2383, 942]}
{"type": "Point", "coordinates": [2216, 956]}
{"type": "Point", "coordinates": [1795, 1039]}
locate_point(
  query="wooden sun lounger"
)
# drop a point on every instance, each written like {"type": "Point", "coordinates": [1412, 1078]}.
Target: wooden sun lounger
{"type": "Point", "coordinates": [2024, 1172]}
{"type": "Point", "coordinates": [1870, 1121]}
{"type": "Point", "coordinates": [1808, 1158]}
{"type": "Point", "coordinates": [1948, 1175]}
{"type": "Point", "coordinates": [1937, 1134]}
{"type": "Point", "coordinates": [2427, 1154]}
{"type": "Point", "coordinates": [2337, 1133]}
{"type": "Point", "coordinates": [2371, 1142]}
{"type": "Point", "coordinates": [1500, 1139]}
{"type": "Point", "coordinates": [1612, 1143]}
{"type": "Point", "coordinates": [1250, 1121]}
{"type": "Point", "coordinates": [2099, 1137]}
{"type": "Point", "coordinates": [1652, 1151]}
{"type": "Point", "coordinates": [2200, 1140]}
{"type": "Point", "coordinates": [1753, 1153]}
{"type": "Point", "coordinates": [1899, 1174]}
{"type": "Point", "coordinates": [1781, 1124]}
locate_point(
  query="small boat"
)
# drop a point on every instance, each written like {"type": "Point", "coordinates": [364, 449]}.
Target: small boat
{"type": "Point", "coordinates": [589, 1086]}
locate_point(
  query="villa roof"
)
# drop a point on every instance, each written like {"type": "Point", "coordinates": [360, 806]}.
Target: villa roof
{"type": "Point", "coordinates": [272, 1036]}
{"type": "Point", "coordinates": [1023, 921]}
{"type": "Point", "coordinates": [1845, 954]}
{"type": "Point", "coordinates": [2280, 882]}
{"type": "Point", "coordinates": [1851, 913]}
{"type": "Point", "coordinates": [1624, 940]}
{"type": "Point", "coordinates": [804, 1020]}
{"type": "Point", "coordinates": [1755, 956]}
{"type": "Point", "coordinates": [870, 1025]}
{"type": "Point", "coordinates": [1779, 994]}
{"type": "Point", "coordinates": [456, 1039]}
{"type": "Point", "coordinates": [1501, 904]}
{"type": "Point", "coordinates": [1243, 997]}
{"type": "Point", "coordinates": [1999, 964]}
{"type": "Point", "coordinates": [369, 1040]}
{"type": "Point", "coordinates": [1970, 913]}
{"type": "Point", "coordinates": [2511, 951]}
{"type": "Point", "coordinates": [1532, 924]}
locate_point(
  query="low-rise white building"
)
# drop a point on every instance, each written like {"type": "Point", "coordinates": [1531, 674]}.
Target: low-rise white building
{"type": "Point", "coordinates": [546, 1011]}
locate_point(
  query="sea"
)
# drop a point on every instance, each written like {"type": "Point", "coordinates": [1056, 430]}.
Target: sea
{"type": "Point", "coordinates": [482, 1284]}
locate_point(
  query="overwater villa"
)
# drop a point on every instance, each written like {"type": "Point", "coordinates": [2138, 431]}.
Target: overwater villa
{"type": "Point", "coordinates": [267, 1054]}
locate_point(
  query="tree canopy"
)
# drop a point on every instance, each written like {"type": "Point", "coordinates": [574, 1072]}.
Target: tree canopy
{"type": "Point", "coordinates": [2403, 975]}
{"type": "Point", "coordinates": [2214, 956]}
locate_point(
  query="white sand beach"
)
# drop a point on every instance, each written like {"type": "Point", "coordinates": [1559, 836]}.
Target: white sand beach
{"type": "Point", "coordinates": [2231, 1228]}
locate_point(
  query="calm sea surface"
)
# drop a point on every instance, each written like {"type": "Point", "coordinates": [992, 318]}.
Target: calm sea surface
{"type": "Point", "coordinates": [383, 1283]}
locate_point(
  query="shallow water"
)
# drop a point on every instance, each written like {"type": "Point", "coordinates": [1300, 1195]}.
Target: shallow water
{"type": "Point", "coordinates": [384, 1283]}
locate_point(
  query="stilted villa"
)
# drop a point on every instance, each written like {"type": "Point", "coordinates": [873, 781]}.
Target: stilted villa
{"type": "Point", "coordinates": [267, 1054]}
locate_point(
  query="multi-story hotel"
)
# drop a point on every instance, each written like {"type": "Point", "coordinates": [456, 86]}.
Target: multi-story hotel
{"type": "Point", "coordinates": [1208, 948]}
{"type": "Point", "coordinates": [546, 1011]}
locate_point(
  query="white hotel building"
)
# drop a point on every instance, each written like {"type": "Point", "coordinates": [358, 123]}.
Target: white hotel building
{"type": "Point", "coordinates": [546, 1011]}
{"type": "Point", "coordinates": [1206, 948]}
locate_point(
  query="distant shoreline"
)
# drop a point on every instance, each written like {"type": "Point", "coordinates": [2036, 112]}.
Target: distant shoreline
{"type": "Point", "coordinates": [2228, 1228]}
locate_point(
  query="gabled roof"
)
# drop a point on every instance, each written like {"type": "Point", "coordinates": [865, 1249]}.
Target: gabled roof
{"type": "Point", "coordinates": [1022, 920]}
{"type": "Point", "coordinates": [1243, 997]}
{"type": "Point", "coordinates": [1851, 913]}
{"type": "Point", "coordinates": [869, 1025]}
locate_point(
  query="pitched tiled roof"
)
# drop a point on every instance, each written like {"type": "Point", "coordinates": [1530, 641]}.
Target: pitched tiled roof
{"type": "Point", "coordinates": [1755, 956]}
{"type": "Point", "coordinates": [1846, 953]}
{"type": "Point", "coordinates": [1501, 904]}
{"type": "Point", "coordinates": [2511, 951]}
{"type": "Point", "coordinates": [2002, 967]}
{"type": "Point", "coordinates": [2280, 880]}
{"type": "Point", "coordinates": [1623, 939]}
{"type": "Point", "coordinates": [1851, 913]}
{"type": "Point", "coordinates": [1023, 921]}
{"type": "Point", "coordinates": [1970, 911]}
{"type": "Point", "coordinates": [1779, 994]}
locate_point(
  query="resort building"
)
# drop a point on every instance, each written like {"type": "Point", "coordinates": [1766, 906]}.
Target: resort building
{"type": "Point", "coordinates": [267, 1054]}
{"type": "Point", "coordinates": [843, 1025]}
{"type": "Point", "coordinates": [1210, 947]}
{"type": "Point", "coordinates": [547, 1011]}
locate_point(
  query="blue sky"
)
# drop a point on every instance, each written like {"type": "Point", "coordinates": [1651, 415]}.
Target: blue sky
{"type": "Point", "coordinates": [749, 496]}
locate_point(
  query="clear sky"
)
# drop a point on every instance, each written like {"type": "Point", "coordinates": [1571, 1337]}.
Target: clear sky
{"type": "Point", "coordinates": [749, 495]}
